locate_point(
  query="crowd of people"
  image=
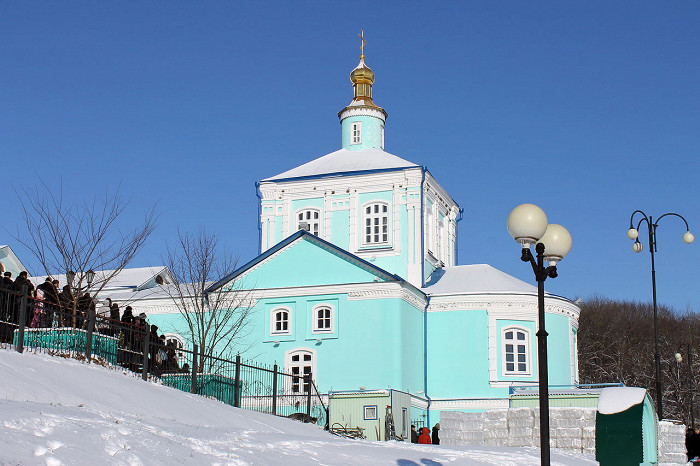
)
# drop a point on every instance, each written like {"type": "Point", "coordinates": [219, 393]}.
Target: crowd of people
{"type": "Point", "coordinates": [425, 436]}
{"type": "Point", "coordinates": [47, 307]}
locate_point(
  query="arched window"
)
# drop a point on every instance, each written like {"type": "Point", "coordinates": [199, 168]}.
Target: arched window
{"type": "Point", "coordinates": [309, 220]}
{"type": "Point", "coordinates": [376, 223]}
{"type": "Point", "coordinates": [280, 321]}
{"type": "Point", "coordinates": [323, 319]}
{"type": "Point", "coordinates": [516, 351]}
{"type": "Point", "coordinates": [175, 340]}
{"type": "Point", "coordinates": [300, 363]}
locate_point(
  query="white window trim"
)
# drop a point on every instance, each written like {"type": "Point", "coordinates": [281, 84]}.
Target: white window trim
{"type": "Point", "coordinates": [273, 321]}
{"type": "Point", "coordinates": [288, 368]}
{"type": "Point", "coordinates": [314, 319]}
{"type": "Point", "coordinates": [363, 223]}
{"type": "Point", "coordinates": [365, 408]}
{"type": "Point", "coordinates": [528, 352]}
{"type": "Point", "coordinates": [356, 125]}
{"type": "Point", "coordinates": [309, 209]}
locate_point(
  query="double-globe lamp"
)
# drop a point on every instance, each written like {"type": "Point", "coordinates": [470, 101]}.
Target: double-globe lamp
{"type": "Point", "coordinates": [528, 225]}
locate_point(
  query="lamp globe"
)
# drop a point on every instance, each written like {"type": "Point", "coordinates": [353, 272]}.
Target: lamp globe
{"type": "Point", "coordinates": [526, 224]}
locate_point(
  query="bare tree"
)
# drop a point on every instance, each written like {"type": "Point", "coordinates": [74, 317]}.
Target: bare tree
{"type": "Point", "coordinates": [74, 239]}
{"type": "Point", "coordinates": [616, 344]}
{"type": "Point", "coordinates": [216, 317]}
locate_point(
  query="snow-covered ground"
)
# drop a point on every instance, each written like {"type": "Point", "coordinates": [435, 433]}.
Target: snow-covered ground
{"type": "Point", "coordinates": [60, 411]}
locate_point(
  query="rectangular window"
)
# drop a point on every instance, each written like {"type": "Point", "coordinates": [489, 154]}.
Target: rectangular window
{"type": "Point", "coordinates": [356, 137]}
{"type": "Point", "coordinates": [515, 344]}
{"type": "Point", "coordinates": [404, 417]}
{"type": "Point", "coordinates": [370, 413]}
{"type": "Point", "coordinates": [376, 224]}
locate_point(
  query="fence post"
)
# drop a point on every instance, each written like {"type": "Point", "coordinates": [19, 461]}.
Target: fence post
{"type": "Point", "coordinates": [22, 320]}
{"type": "Point", "coordinates": [237, 383]}
{"type": "Point", "coordinates": [274, 389]}
{"type": "Point", "coordinates": [88, 339]}
{"type": "Point", "coordinates": [195, 352]}
{"type": "Point", "coordinates": [146, 341]}
{"type": "Point", "coordinates": [307, 379]}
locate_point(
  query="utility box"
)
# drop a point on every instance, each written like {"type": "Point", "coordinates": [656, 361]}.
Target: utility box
{"type": "Point", "coordinates": [626, 428]}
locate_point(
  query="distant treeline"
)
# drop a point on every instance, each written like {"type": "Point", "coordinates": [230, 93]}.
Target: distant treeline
{"type": "Point", "coordinates": [616, 343]}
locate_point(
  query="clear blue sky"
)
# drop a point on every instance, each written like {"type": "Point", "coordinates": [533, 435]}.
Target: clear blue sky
{"type": "Point", "coordinates": [589, 109]}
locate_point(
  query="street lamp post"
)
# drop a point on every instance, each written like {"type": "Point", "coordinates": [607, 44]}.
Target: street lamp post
{"type": "Point", "coordinates": [633, 234]}
{"type": "Point", "coordinates": [90, 275]}
{"type": "Point", "coordinates": [527, 224]}
{"type": "Point", "coordinates": [692, 387]}
{"type": "Point", "coordinates": [679, 360]}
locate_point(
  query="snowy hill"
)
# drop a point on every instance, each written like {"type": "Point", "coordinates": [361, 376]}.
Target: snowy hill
{"type": "Point", "coordinates": [59, 411]}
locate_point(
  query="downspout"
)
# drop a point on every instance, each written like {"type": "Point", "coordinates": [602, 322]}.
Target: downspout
{"type": "Point", "coordinates": [422, 226]}
{"type": "Point", "coordinates": [425, 358]}
{"type": "Point", "coordinates": [459, 219]}
{"type": "Point", "coordinates": [259, 195]}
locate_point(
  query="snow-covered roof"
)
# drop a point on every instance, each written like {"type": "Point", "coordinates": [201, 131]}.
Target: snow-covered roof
{"type": "Point", "coordinates": [10, 261]}
{"type": "Point", "coordinates": [477, 278]}
{"type": "Point", "coordinates": [127, 279]}
{"type": "Point", "coordinates": [617, 399]}
{"type": "Point", "coordinates": [346, 161]}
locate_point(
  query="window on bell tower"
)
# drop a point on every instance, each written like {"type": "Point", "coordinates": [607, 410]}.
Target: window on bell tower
{"type": "Point", "coordinates": [356, 132]}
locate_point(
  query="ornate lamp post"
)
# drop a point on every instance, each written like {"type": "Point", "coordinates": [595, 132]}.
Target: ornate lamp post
{"type": "Point", "coordinates": [90, 275]}
{"type": "Point", "coordinates": [633, 234]}
{"type": "Point", "coordinates": [527, 224]}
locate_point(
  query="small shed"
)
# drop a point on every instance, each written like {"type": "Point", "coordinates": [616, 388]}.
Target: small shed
{"type": "Point", "coordinates": [369, 410]}
{"type": "Point", "coordinates": [626, 428]}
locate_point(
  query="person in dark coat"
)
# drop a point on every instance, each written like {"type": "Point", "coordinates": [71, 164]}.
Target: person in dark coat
{"type": "Point", "coordinates": [18, 286]}
{"type": "Point", "coordinates": [50, 302]}
{"type": "Point", "coordinates": [424, 436]}
{"type": "Point", "coordinates": [65, 300]}
{"type": "Point", "coordinates": [154, 347]}
{"type": "Point", "coordinates": [126, 335]}
{"type": "Point", "coordinates": [7, 280]}
{"type": "Point", "coordinates": [414, 434]}
{"type": "Point", "coordinates": [22, 280]}
{"type": "Point", "coordinates": [171, 363]}
{"type": "Point", "coordinates": [436, 432]}
{"type": "Point", "coordinates": [114, 312]}
{"type": "Point", "coordinates": [86, 307]}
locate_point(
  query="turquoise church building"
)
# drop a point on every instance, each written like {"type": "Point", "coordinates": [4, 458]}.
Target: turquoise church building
{"type": "Point", "coordinates": [357, 283]}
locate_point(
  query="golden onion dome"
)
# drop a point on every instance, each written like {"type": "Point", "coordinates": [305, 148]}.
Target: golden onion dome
{"type": "Point", "coordinates": [362, 74]}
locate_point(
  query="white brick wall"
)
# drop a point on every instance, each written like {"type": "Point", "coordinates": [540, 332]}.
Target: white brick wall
{"type": "Point", "coordinates": [571, 429]}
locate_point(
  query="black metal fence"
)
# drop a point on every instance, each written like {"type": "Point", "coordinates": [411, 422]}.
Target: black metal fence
{"type": "Point", "coordinates": [75, 330]}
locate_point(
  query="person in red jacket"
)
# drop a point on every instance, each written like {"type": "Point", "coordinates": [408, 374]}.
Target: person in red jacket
{"type": "Point", "coordinates": [424, 436]}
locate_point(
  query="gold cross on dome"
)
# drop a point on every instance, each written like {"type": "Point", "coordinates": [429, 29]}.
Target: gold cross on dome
{"type": "Point", "coordinates": [361, 35]}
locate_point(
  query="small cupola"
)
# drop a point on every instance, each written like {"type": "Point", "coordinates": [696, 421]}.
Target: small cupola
{"type": "Point", "coordinates": [362, 120]}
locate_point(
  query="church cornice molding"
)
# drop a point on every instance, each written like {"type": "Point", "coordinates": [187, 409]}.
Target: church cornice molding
{"type": "Point", "coordinates": [354, 292]}
{"type": "Point", "coordinates": [349, 112]}
{"type": "Point", "coordinates": [396, 292]}
{"type": "Point", "coordinates": [508, 303]}
{"type": "Point", "coordinates": [399, 179]}
{"type": "Point", "coordinates": [432, 186]}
